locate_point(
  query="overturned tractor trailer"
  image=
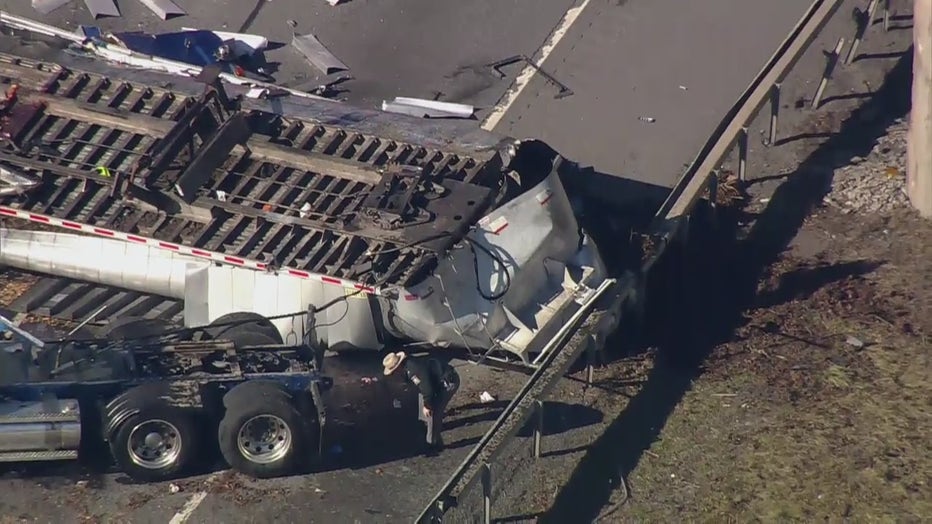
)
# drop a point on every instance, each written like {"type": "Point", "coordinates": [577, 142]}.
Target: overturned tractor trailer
{"type": "Point", "coordinates": [388, 230]}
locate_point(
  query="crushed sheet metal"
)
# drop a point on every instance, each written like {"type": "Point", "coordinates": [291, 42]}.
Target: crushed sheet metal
{"type": "Point", "coordinates": [99, 8]}
{"type": "Point", "coordinates": [315, 53]}
{"type": "Point", "coordinates": [427, 108]}
{"type": "Point", "coordinates": [163, 8]}
{"type": "Point", "coordinates": [47, 6]}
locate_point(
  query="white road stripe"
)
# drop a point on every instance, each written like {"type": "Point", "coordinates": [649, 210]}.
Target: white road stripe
{"type": "Point", "coordinates": [528, 73]}
{"type": "Point", "coordinates": [185, 513]}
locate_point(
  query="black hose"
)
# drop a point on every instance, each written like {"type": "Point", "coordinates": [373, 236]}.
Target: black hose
{"type": "Point", "coordinates": [494, 296]}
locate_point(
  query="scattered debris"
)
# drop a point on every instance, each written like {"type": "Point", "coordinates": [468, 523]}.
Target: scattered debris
{"type": "Point", "coordinates": [422, 108]}
{"type": "Point", "coordinates": [367, 380]}
{"type": "Point", "coordinates": [47, 6]}
{"type": "Point", "coordinates": [854, 342]}
{"type": "Point", "coordinates": [648, 119]}
{"type": "Point", "coordinates": [100, 8]}
{"type": "Point", "coordinates": [684, 88]}
{"type": "Point", "coordinates": [163, 8]}
{"type": "Point", "coordinates": [80, 484]}
{"type": "Point", "coordinates": [563, 92]}
{"type": "Point", "coordinates": [486, 397]}
{"type": "Point", "coordinates": [193, 46]}
{"type": "Point", "coordinates": [174, 488]}
{"type": "Point", "coordinates": [315, 52]}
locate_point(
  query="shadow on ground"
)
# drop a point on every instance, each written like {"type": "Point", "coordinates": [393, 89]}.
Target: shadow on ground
{"type": "Point", "coordinates": [710, 282]}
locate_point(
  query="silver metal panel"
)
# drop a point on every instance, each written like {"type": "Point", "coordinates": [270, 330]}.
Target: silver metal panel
{"type": "Point", "coordinates": [47, 6]}
{"type": "Point", "coordinates": [318, 55]}
{"type": "Point", "coordinates": [537, 240]}
{"type": "Point", "coordinates": [99, 8]}
{"type": "Point", "coordinates": [217, 290]}
{"type": "Point", "coordinates": [50, 436]}
{"type": "Point", "coordinates": [47, 425]}
{"type": "Point", "coordinates": [163, 8]}
{"type": "Point", "coordinates": [99, 260]}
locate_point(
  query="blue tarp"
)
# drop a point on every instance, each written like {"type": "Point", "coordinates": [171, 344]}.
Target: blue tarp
{"type": "Point", "coordinates": [192, 47]}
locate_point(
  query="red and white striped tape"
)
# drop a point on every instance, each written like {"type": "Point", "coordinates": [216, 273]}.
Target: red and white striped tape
{"type": "Point", "coordinates": [187, 250]}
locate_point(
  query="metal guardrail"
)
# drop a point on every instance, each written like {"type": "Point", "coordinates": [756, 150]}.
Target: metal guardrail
{"type": "Point", "coordinates": [696, 180]}
{"type": "Point", "coordinates": [566, 346]}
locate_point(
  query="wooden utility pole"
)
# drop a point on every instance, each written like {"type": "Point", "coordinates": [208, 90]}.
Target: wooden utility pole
{"type": "Point", "coordinates": [919, 148]}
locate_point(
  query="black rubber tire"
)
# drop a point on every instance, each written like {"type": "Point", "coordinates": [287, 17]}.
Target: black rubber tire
{"type": "Point", "coordinates": [246, 337]}
{"type": "Point", "coordinates": [187, 430]}
{"type": "Point", "coordinates": [135, 327]}
{"type": "Point", "coordinates": [251, 321]}
{"type": "Point", "coordinates": [249, 400]}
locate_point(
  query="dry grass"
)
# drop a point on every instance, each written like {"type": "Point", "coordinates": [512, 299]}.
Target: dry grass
{"type": "Point", "coordinates": [803, 428]}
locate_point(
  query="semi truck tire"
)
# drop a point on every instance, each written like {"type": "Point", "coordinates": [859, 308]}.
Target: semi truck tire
{"type": "Point", "coordinates": [135, 327]}
{"type": "Point", "coordinates": [262, 433]}
{"type": "Point", "coordinates": [158, 442]}
{"type": "Point", "coordinates": [251, 322]}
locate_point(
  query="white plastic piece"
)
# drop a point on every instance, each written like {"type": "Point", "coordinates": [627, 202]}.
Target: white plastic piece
{"type": "Point", "coordinates": [427, 108]}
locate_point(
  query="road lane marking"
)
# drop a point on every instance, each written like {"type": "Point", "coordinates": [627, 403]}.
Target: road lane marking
{"type": "Point", "coordinates": [528, 73]}
{"type": "Point", "coordinates": [185, 513]}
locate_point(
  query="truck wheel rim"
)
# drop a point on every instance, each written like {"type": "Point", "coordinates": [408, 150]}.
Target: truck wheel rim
{"type": "Point", "coordinates": [264, 439]}
{"type": "Point", "coordinates": [154, 444]}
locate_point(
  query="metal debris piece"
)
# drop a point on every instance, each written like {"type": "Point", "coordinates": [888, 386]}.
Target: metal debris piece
{"type": "Point", "coordinates": [648, 119]}
{"type": "Point", "coordinates": [420, 107]}
{"type": "Point", "coordinates": [563, 90]}
{"type": "Point", "coordinates": [486, 397]}
{"type": "Point", "coordinates": [174, 488]}
{"type": "Point", "coordinates": [315, 53]}
{"type": "Point", "coordinates": [99, 8]}
{"type": "Point", "coordinates": [163, 8]}
{"type": "Point", "coordinates": [16, 182]}
{"type": "Point", "coordinates": [47, 6]}
{"type": "Point", "coordinates": [854, 342]}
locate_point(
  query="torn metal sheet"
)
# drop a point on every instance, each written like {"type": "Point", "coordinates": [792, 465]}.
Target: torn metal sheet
{"type": "Point", "coordinates": [318, 55]}
{"type": "Point", "coordinates": [163, 8]}
{"type": "Point", "coordinates": [427, 108]}
{"type": "Point", "coordinates": [14, 181]}
{"type": "Point", "coordinates": [47, 6]}
{"type": "Point", "coordinates": [99, 8]}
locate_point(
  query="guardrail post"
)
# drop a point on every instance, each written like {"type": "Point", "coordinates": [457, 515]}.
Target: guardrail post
{"type": "Point", "coordinates": [827, 75]}
{"type": "Point", "coordinates": [743, 155]}
{"type": "Point", "coordinates": [867, 17]}
{"type": "Point", "coordinates": [886, 15]}
{"type": "Point", "coordinates": [774, 112]}
{"type": "Point", "coordinates": [713, 190]}
{"type": "Point", "coordinates": [591, 355]}
{"type": "Point", "coordinates": [486, 493]}
{"type": "Point", "coordinates": [539, 427]}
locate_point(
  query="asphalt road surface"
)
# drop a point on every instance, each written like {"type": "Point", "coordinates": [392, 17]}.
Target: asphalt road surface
{"type": "Point", "coordinates": [680, 63]}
